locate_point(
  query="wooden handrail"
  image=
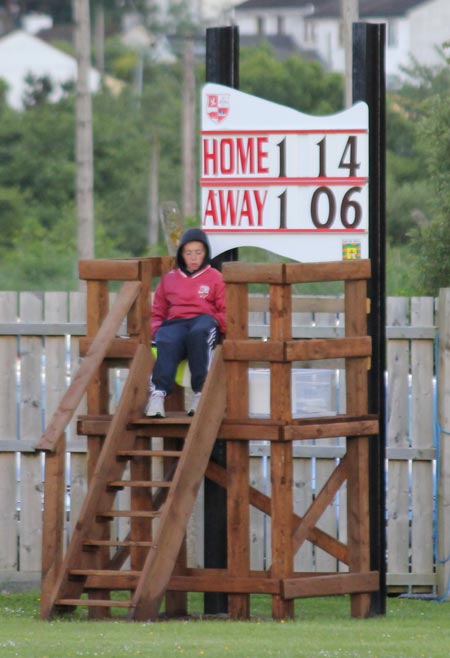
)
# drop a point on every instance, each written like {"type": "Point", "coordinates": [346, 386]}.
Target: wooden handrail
{"type": "Point", "coordinates": [93, 359]}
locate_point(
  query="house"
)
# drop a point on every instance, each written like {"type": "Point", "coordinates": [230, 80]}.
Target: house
{"type": "Point", "coordinates": [415, 29]}
{"type": "Point", "coordinates": [22, 54]}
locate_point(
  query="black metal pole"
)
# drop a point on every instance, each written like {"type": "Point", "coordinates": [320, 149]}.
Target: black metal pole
{"type": "Point", "coordinates": [369, 86]}
{"type": "Point", "coordinates": [222, 67]}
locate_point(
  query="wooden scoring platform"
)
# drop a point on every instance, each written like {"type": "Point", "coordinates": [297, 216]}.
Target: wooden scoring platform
{"type": "Point", "coordinates": [149, 563]}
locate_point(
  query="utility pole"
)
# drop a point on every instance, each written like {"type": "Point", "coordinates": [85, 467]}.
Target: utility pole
{"type": "Point", "coordinates": [83, 138]}
{"type": "Point", "coordinates": [189, 132]}
{"type": "Point", "coordinates": [349, 15]}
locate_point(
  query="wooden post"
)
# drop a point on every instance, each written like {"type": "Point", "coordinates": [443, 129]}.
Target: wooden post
{"type": "Point", "coordinates": [238, 510]}
{"type": "Point", "coordinates": [97, 403]}
{"type": "Point", "coordinates": [281, 452]}
{"type": "Point", "coordinates": [53, 524]}
{"type": "Point", "coordinates": [357, 448]}
{"type": "Point", "coordinates": [443, 565]}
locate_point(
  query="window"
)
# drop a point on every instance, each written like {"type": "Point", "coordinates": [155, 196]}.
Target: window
{"type": "Point", "coordinates": [280, 24]}
{"type": "Point", "coordinates": [260, 25]}
{"type": "Point", "coordinates": [392, 34]}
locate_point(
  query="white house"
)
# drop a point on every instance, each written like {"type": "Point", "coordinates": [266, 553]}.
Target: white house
{"type": "Point", "coordinates": [415, 28]}
{"type": "Point", "coordinates": [22, 54]}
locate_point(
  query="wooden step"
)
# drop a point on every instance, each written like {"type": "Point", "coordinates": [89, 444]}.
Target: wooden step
{"type": "Point", "coordinates": [150, 484]}
{"type": "Point", "coordinates": [112, 543]}
{"type": "Point", "coordinates": [94, 603]}
{"type": "Point", "coordinates": [104, 572]}
{"type": "Point", "coordinates": [148, 453]}
{"type": "Point", "coordinates": [136, 514]}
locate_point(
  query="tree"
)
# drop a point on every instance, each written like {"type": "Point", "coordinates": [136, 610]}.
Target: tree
{"type": "Point", "coordinates": [432, 240]}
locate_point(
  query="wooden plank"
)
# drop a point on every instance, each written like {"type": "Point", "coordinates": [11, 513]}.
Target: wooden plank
{"type": "Point", "coordinates": [422, 373]}
{"type": "Point", "coordinates": [281, 514]}
{"type": "Point", "coordinates": [97, 401]}
{"type": "Point", "coordinates": [331, 585]}
{"type": "Point", "coordinates": [30, 488]}
{"type": "Point", "coordinates": [78, 462]}
{"type": "Point", "coordinates": [301, 350]}
{"type": "Point", "coordinates": [109, 269]}
{"type": "Point", "coordinates": [443, 565]}
{"type": "Point", "coordinates": [52, 526]}
{"type": "Point", "coordinates": [331, 271]}
{"type": "Point", "coordinates": [321, 430]}
{"type": "Point", "coordinates": [281, 472]}
{"type": "Point", "coordinates": [239, 272]}
{"type": "Point", "coordinates": [180, 501]}
{"type": "Point", "coordinates": [89, 366]}
{"type": "Point", "coordinates": [253, 350]}
{"type": "Point", "coordinates": [203, 582]}
{"type": "Point", "coordinates": [358, 448]}
{"type": "Point", "coordinates": [398, 438]}
{"type": "Point", "coordinates": [258, 520]}
{"type": "Point", "coordinates": [411, 579]}
{"type": "Point", "coordinates": [237, 458]}
{"type": "Point", "coordinates": [42, 328]}
{"type": "Point", "coordinates": [8, 428]}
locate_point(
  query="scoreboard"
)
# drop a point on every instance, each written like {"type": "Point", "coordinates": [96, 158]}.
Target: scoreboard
{"type": "Point", "coordinates": [278, 179]}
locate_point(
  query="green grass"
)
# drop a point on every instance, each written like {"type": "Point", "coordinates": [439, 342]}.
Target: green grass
{"type": "Point", "coordinates": [323, 628]}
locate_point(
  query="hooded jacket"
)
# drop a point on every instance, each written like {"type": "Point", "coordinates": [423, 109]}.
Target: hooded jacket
{"type": "Point", "coordinates": [182, 294]}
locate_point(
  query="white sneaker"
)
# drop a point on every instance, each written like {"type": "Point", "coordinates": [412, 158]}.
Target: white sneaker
{"type": "Point", "coordinates": [194, 404]}
{"type": "Point", "coordinates": [155, 405]}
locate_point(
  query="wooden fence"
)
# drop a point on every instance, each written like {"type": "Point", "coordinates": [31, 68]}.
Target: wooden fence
{"type": "Point", "coordinates": [39, 352]}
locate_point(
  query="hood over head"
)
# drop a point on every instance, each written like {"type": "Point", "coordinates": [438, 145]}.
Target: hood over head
{"type": "Point", "coordinates": [193, 235]}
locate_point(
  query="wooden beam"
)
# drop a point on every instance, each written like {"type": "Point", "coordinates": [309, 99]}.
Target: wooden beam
{"type": "Point", "coordinates": [329, 428]}
{"type": "Point", "coordinates": [253, 350]}
{"type": "Point", "coordinates": [109, 269]}
{"type": "Point", "coordinates": [238, 272]}
{"type": "Point", "coordinates": [328, 348]}
{"type": "Point", "coordinates": [345, 583]}
{"type": "Point", "coordinates": [331, 271]}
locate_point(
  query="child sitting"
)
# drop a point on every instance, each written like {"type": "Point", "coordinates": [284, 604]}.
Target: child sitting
{"type": "Point", "coordinates": [188, 313]}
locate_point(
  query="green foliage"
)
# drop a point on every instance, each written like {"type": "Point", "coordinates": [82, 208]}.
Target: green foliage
{"type": "Point", "coordinates": [295, 82]}
{"type": "Point", "coordinates": [432, 241]}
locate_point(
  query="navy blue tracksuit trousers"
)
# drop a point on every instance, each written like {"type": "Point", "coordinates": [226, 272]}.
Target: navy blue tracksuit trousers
{"type": "Point", "coordinates": [176, 340]}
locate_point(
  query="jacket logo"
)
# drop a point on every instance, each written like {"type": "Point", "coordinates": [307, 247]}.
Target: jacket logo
{"type": "Point", "coordinates": [203, 291]}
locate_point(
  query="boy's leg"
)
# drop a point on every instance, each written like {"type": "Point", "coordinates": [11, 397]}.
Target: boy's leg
{"type": "Point", "coordinates": [170, 341]}
{"type": "Point", "coordinates": [200, 342]}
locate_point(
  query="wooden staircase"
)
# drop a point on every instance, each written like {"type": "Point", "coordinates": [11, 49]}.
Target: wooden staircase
{"type": "Point", "coordinates": [153, 553]}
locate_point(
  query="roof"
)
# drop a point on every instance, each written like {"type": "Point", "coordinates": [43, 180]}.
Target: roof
{"type": "Point", "coordinates": [273, 4]}
{"type": "Point", "coordinates": [22, 54]}
{"type": "Point", "coordinates": [283, 45]}
{"type": "Point", "coordinates": [332, 8]}
{"type": "Point", "coordinates": [367, 8]}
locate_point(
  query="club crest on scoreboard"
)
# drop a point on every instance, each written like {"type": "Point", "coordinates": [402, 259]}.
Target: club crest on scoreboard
{"type": "Point", "coordinates": [218, 106]}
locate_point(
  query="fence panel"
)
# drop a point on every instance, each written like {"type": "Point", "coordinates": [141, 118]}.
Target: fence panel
{"type": "Point", "coordinates": [39, 340]}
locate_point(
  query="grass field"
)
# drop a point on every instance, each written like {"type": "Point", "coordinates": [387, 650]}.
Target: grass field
{"type": "Point", "coordinates": [322, 629]}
